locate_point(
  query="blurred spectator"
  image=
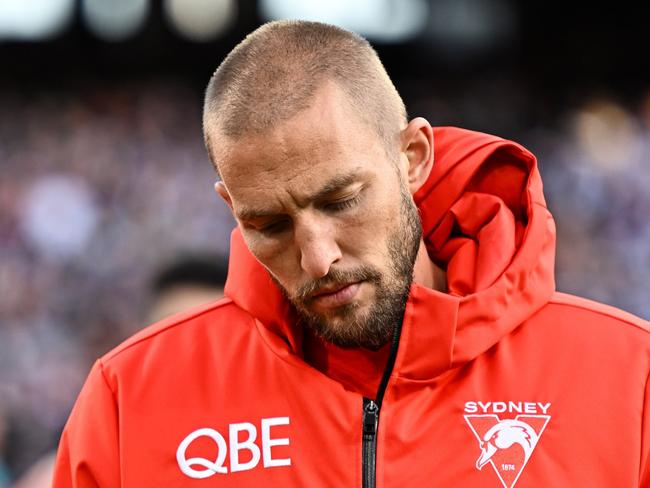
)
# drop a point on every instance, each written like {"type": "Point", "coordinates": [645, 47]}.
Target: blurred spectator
{"type": "Point", "coordinates": [39, 474]}
{"type": "Point", "coordinates": [187, 282]}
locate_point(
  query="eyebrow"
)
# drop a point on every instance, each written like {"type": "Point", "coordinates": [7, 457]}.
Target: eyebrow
{"type": "Point", "coordinates": [337, 183]}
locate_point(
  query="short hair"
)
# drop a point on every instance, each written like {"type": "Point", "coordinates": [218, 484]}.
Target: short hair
{"type": "Point", "coordinates": [197, 269]}
{"type": "Point", "coordinates": [275, 71]}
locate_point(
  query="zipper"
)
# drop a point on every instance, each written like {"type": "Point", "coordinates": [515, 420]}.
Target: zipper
{"type": "Point", "coordinates": [371, 410]}
{"type": "Point", "coordinates": [369, 448]}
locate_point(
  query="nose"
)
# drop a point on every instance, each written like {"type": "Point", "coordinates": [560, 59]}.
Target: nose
{"type": "Point", "coordinates": [318, 248]}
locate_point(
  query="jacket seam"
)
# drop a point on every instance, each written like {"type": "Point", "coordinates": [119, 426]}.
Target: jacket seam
{"type": "Point", "coordinates": [643, 423]}
{"type": "Point", "coordinates": [599, 312]}
{"type": "Point", "coordinates": [102, 372]}
{"type": "Point", "coordinates": [113, 354]}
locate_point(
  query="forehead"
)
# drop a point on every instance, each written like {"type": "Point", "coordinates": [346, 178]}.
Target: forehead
{"type": "Point", "coordinates": [299, 155]}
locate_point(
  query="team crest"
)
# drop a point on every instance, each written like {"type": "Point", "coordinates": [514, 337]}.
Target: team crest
{"type": "Point", "coordinates": [506, 444]}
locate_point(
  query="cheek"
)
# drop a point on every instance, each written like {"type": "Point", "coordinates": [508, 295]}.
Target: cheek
{"type": "Point", "coordinates": [367, 232]}
{"type": "Point", "coordinates": [276, 256]}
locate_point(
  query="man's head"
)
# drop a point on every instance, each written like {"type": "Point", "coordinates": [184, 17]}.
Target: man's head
{"type": "Point", "coordinates": [320, 174]}
{"type": "Point", "coordinates": [274, 73]}
{"type": "Point", "coordinates": [186, 282]}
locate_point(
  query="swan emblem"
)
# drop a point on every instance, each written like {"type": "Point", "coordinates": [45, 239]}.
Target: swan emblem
{"type": "Point", "coordinates": [505, 434]}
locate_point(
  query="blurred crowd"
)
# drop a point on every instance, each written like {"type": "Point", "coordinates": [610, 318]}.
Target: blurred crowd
{"type": "Point", "coordinates": [100, 188]}
{"type": "Point", "coordinates": [596, 171]}
{"type": "Point", "coordinates": [104, 184]}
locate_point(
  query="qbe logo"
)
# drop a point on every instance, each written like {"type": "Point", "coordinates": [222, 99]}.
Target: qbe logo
{"type": "Point", "coordinates": [506, 444]}
{"type": "Point", "coordinates": [241, 445]}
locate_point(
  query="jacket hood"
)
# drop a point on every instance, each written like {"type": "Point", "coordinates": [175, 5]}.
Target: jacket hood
{"type": "Point", "coordinates": [484, 221]}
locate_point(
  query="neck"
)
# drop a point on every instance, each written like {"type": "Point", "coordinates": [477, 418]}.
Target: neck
{"type": "Point", "coordinates": [426, 273]}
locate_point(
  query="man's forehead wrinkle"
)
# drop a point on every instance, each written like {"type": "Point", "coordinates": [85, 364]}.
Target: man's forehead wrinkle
{"type": "Point", "coordinates": [299, 174]}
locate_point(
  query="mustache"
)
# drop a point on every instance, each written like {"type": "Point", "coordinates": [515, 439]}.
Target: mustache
{"type": "Point", "coordinates": [337, 278]}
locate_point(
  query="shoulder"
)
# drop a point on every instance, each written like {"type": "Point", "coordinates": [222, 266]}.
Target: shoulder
{"type": "Point", "coordinates": [185, 334]}
{"type": "Point", "coordinates": [589, 324]}
{"type": "Point", "coordinates": [590, 339]}
{"type": "Point", "coordinates": [574, 307]}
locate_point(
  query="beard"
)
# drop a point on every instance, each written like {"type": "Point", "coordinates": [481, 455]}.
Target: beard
{"type": "Point", "coordinates": [373, 328]}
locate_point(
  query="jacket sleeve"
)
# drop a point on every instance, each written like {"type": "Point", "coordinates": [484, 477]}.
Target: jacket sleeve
{"type": "Point", "coordinates": [88, 454]}
{"type": "Point", "coordinates": [645, 439]}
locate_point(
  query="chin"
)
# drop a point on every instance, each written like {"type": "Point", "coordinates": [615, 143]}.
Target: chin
{"type": "Point", "coordinates": [339, 316]}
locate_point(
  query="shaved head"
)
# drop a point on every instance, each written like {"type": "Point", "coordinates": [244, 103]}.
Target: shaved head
{"type": "Point", "coordinates": [275, 71]}
{"type": "Point", "coordinates": [318, 165]}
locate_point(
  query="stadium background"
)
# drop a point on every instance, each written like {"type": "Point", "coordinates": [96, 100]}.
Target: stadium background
{"type": "Point", "coordinates": [104, 177]}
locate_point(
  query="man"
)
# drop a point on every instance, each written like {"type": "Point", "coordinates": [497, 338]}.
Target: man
{"type": "Point", "coordinates": [187, 281]}
{"type": "Point", "coordinates": [390, 315]}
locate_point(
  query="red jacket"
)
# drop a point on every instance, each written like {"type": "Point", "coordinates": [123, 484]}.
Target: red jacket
{"type": "Point", "coordinates": [499, 382]}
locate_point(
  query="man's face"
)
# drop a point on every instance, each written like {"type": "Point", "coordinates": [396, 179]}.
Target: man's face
{"type": "Point", "coordinates": [327, 213]}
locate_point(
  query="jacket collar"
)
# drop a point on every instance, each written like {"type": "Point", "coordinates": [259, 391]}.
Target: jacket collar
{"type": "Point", "coordinates": [485, 221]}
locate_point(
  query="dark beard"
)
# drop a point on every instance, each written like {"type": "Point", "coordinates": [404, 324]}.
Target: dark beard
{"type": "Point", "coordinates": [375, 328]}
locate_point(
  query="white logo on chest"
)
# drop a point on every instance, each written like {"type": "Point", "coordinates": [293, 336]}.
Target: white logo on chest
{"type": "Point", "coordinates": [235, 447]}
{"type": "Point", "coordinates": [506, 444]}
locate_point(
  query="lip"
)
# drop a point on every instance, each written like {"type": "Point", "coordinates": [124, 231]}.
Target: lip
{"type": "Point", "coordinates": [337, 296]}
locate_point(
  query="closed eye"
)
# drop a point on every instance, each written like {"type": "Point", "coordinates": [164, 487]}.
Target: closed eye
{"type": "Point", "coordinates": [274, 228]}
{"type": "Point", "coordinates": [343, 204]}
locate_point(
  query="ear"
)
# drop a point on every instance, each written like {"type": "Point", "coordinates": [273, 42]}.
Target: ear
{"type": "Point", "coordinates": [417, 146]}
{"type": "Point", "coordinates": [222, 191]}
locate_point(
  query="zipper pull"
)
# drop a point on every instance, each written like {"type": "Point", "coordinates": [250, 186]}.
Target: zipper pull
{"type": "Point", "coordinates": [370, 418]}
